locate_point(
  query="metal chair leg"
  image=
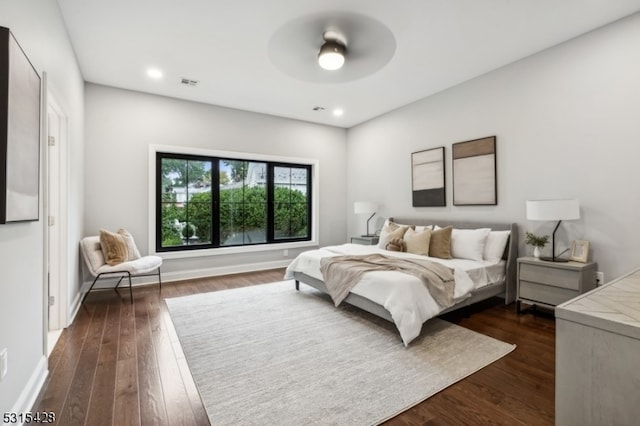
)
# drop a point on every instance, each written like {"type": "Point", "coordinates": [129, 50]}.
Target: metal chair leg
{"type": "Point", "coordinates": [118, 283]}
{"type": "Point", "coordinates": [92, 284]}
{"type": "Point", "coordinates": [130, 290]}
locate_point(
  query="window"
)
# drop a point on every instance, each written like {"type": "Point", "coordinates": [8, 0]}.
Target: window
{"type": "Point", "coordinates": [211, 202]}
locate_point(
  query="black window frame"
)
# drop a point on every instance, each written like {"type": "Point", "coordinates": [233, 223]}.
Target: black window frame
{"type": "Point", "coordinates": [215, 202]}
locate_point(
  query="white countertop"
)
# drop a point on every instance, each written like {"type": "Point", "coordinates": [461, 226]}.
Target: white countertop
{"type": "Point", "coordinates": [614, 307]}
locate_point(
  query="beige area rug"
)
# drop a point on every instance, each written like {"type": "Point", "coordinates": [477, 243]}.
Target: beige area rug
{"type": "Point", "coordinates": [271, 355]}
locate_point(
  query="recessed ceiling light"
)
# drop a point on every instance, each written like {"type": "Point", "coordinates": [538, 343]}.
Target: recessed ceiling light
{"type": "Point", "coordinates": [338, 112]}
{"type": "Point", "coordinates": [154, 73]}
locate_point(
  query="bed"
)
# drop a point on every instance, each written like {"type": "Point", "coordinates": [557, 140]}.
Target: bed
{"type": "Point", "coordinates": [403, 299]}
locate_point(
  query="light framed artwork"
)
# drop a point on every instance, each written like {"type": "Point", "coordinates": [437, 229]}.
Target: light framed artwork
{"type": "Point", "coordinates": [579, 251]}
{"type": "Point", "coordinates": [428, 178]}
{"type": "Point", "coordinates": [19, 133]}
{"type": "Point", "coordinates": [474, 172]}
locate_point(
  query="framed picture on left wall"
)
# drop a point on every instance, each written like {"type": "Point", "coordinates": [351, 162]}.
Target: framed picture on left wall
{"type": "Point", "coordinates": [19, 133]}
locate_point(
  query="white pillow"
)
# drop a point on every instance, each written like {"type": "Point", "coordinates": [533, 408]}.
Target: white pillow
{"type": "Point", "coordinates": [389, 231]}
{"type": "Point", "coordinates": [494, 247]}
{"type": "Point", "coordinates": [469, 243]}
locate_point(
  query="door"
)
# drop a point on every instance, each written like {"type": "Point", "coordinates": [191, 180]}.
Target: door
{"type": "Point", "coordinates": [55, 214]}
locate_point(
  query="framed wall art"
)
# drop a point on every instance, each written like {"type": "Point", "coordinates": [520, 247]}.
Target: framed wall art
{"type": "Point", "coordinates": [19, 133]}
{"type": "Point", "coordinates": [474, 172]}
{"type": "Point", "coordinates": [427, 178]}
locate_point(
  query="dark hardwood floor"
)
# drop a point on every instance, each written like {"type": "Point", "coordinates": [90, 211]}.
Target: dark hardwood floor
{"type": "Point", "coordinates": [121, 364]}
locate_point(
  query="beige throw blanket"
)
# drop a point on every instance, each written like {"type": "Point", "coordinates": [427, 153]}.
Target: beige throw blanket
{"type": "Point", "coordinates": [342, 273]}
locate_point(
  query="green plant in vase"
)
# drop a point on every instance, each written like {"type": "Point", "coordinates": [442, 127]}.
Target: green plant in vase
{"type": "Point", "coordinates": [538, 242]}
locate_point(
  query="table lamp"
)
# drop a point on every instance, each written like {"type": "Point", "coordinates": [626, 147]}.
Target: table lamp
{"type": "Point", "coordinates": [553, 210]}
{"type": "Point", "coordinates": [365, 207]}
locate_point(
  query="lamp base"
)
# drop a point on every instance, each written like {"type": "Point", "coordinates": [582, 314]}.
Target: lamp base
{"type": "Point", "coordinates": [554, 259]}
{"type": "Point", "coordinates": [368, 235]}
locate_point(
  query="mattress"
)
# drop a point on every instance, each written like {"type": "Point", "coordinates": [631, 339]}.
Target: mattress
{"type": "Point", "coordinates": [404, 296]}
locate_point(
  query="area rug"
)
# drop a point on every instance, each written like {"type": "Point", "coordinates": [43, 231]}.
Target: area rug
{"type": "Point", "coordinates": [271, 355]}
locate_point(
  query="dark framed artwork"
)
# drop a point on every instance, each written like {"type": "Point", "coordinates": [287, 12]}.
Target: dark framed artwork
{"type": "Point", "coordinates": [19, 133]}
{"type": "Point", "coordinates": [427, 178]}
{"type": "Point", "coordinates": [474, 172]}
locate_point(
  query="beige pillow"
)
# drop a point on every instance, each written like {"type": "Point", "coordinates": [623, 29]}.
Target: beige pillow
{"type": "Point", "coordinates": [114, 247]}
{"type": "Point", "coordinates": [440, 244]}
{"type": "Point", "coordinates": [390, 231]}
{"type": "Point", "coordinates": [418, 241]}
{"type": "Point", "coordinates": [132, 250]}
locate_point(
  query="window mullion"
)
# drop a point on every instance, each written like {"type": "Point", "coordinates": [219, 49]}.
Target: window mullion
{"type": "Point", "coordinates": [270, 203]}
{"type": "Point", "coordinates": [215, 202]}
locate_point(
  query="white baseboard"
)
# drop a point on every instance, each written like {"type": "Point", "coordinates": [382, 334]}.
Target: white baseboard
{"type": "Point", "coordinates": [33, 387]}
{"type": "Point", "coordinates": [187, 275]}
{"type": "Point", "coordinates": [74, 308]}
{"type": "Point", "coordinates": [224, 270]}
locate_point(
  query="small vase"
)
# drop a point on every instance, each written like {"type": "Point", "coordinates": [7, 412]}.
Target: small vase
{"type": "Point", "coordinates": [536, 252]}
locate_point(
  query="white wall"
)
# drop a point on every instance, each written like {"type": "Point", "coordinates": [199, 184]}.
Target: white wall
{"type": "Point", "coordinates": [121, 125]}
{"type": "Point", "coordinates": [38, 27]}
{"type": "Point", "coordinates": [567, 122]}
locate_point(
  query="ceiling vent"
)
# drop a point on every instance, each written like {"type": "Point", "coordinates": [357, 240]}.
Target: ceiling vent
{"type": "Point", "coordinates": [189, 82]}
{"type": "Point", "coordinates": [318, 108]}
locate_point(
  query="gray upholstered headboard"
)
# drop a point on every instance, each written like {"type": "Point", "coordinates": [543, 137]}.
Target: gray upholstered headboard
{"type": "Point", "coordinates": [510, 254]}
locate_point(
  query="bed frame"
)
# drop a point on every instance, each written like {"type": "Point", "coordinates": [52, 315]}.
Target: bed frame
{"type": "Point", "coordinates": [506, 290]}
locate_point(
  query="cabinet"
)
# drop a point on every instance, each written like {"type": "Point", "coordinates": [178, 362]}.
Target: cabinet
{"type": "Point", "coordinates": [597, 347]}
{"type": "Point", "coordinates": [551, 283]}
{"type": "Point", "coordinates": [365, 240]}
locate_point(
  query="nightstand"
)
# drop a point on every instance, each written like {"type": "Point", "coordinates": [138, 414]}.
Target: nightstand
{"type": "Point", "coordinates": [551, 283]}
{"type": "Point", "coordinates": [365, 240]}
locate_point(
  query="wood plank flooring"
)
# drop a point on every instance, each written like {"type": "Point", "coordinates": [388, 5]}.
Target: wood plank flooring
{"type": "Point", "coordinates": [121, 364]}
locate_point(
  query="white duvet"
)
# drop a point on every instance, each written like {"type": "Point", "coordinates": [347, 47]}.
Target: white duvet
{"type": "Point", "coordinates": [404, 296]}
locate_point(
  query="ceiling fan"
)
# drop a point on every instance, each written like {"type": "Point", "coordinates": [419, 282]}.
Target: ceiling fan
{"type": "Point", "coordinates": [331, 47]}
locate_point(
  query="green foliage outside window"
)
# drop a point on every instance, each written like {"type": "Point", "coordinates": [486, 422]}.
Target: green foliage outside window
{"type": "Point", "coordinates": [171, 235]}
{"type": "Point", "coordinates": [241, 210]}
{"type": "Point", "coordinates": [290, 213]}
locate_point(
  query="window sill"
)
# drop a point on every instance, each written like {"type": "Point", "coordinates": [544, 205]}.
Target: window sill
{"type": "Point", "coordinates": [234, 250]}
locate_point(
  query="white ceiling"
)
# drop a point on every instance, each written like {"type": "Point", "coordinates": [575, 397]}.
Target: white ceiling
{"type": "Point", "coordinates": [235, 48]}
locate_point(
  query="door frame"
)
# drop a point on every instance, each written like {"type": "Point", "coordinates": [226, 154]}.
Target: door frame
{"type": "Point", "coordinates": [56, 236]}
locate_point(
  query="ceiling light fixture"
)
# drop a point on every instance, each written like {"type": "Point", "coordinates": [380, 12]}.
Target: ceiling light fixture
{"type": "Point", "coordinates": [332, 52]}
{"type": "Point", "coordinates": [338, 112]}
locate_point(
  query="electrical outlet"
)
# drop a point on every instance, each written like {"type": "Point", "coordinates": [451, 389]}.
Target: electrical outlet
{"type": "Point", "coordinates": [599, 278]}
{"type": "Point", "coordinates": [286, 253]}
{"type": "Point", "coordinates": [3, 363]}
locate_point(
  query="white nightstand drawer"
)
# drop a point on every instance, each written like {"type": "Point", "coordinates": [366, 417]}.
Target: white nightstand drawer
{"type": "Point", "coordinates": [545, 294]}
{"type": "Point", "coordinates": [551, 283]}
{"type": "Point", "coordinates": [550, 276]}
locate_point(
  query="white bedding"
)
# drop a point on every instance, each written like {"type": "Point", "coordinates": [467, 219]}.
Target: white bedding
{"type": "Point", "coordinates": [404, 296]}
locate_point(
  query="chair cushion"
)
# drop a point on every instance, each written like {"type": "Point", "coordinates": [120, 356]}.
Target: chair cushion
{"type": "Point", "coordinates": [92, 253]}
{"type": "Point", "coordinates": [139, 266]}
{"type": "Point", "coordinates": [94, 259]}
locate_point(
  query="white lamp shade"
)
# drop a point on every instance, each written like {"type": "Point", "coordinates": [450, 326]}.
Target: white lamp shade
{"type": "Point", "coordinates": [364, 207]}
{"type": "Point", "coordinates": [553, 209]}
